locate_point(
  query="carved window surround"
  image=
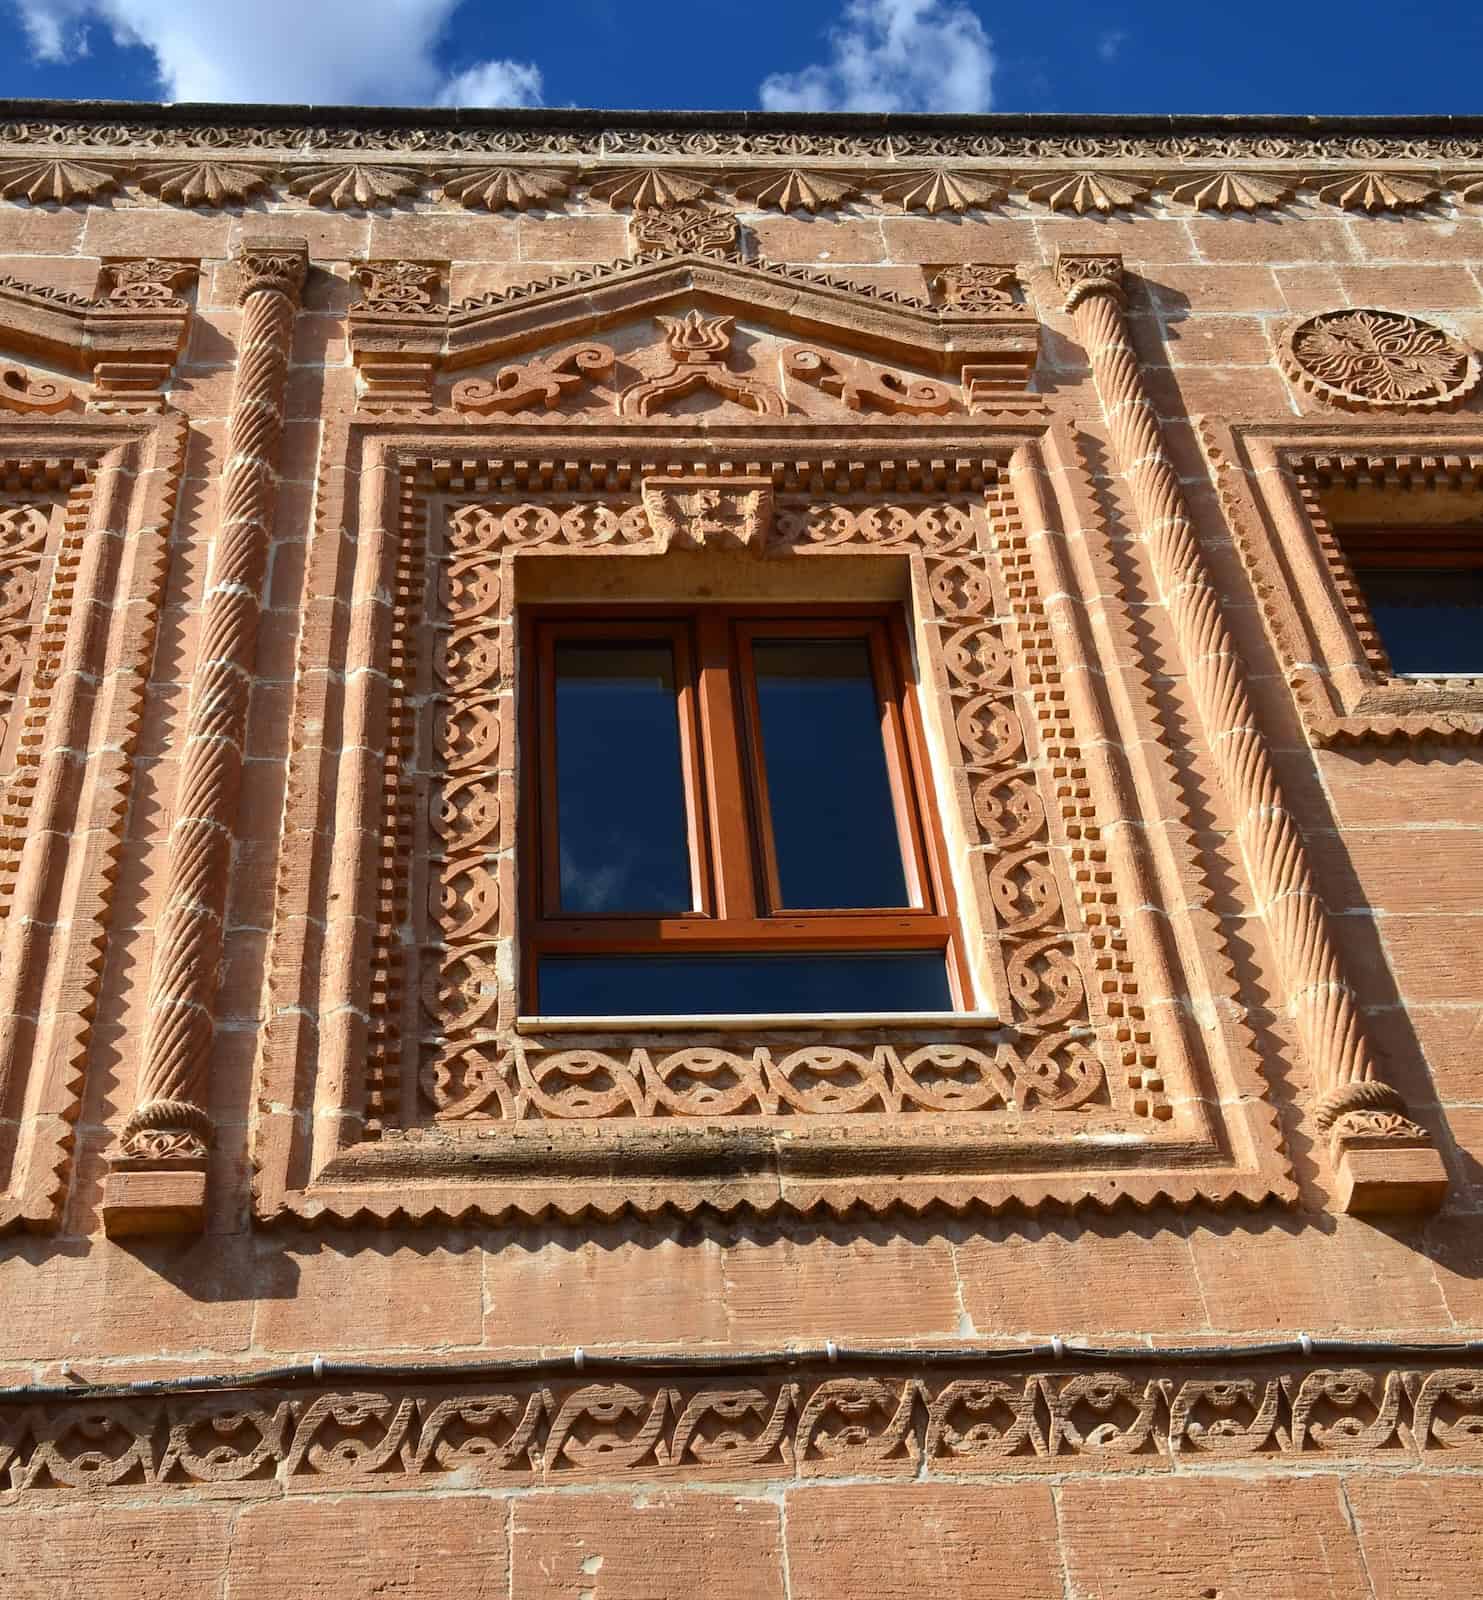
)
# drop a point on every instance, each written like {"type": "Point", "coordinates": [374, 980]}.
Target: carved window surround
{"type": "Point", "coordinates": [1274, 482]}
{"type": "Point", "coordinates": [427, 1099]}
{"type": "Point", "coordinates": [77, 645]}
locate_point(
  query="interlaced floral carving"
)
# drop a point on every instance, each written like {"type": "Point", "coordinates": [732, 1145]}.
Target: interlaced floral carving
{"type": "Point", "coordinates": [1041, 967]}
{"type": "Point", "coordinates": [574, 524]}
{"type": "Point", "coordinates": [147, 283]}
{"type": "Point", "coordinates": [976, 286]}
{"type": "Point", "coordinates": [687, 229]}
{"type": "Point", "coordinates": [30, 651]}
{"type": "Point", "coordinates": [709, 513]}
{"type": "Point", "coordinates": [941, 526]}
{"type": "Point", "coordinates": [811, 1423]}
{"type": "Point", "coordinates": [23, 531]}
{"type": "Point", "coordinates": [1379, 360]}
{"type": "Point", "coordinates": [523, 1081]}
{"type": "Point", "coordinates": [472, 1068]}
{"type": "Point", "coordinates": [405, 287]}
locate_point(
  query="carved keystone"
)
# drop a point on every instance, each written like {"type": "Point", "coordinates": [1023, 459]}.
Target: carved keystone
{"type": "Point", "coordinates": [705, 513]}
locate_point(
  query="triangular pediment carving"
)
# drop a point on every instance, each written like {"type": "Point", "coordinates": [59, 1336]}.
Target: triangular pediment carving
{"type": "Point", "coordinates": [762, 339]}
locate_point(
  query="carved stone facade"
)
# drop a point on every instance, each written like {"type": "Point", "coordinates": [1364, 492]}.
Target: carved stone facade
{"type": "Point", "coordinates": [1150, 1270]}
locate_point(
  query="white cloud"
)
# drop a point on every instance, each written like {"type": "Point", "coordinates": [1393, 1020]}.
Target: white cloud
{"type": "Point", "coordinates": [894, 55]}
{"type": "Point", "coordinates": [494, 83]}
{"type": "Point", "coordinates": [1110, 44]}
{"type": "Point", "coordinates": [347, 52]}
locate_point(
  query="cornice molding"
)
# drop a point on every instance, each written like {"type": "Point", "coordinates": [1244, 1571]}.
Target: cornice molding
{"type": "Point", "coordinates": [65, 152]}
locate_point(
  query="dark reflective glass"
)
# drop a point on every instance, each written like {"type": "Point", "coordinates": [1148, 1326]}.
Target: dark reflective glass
{"type": "Point", "coordinates": [1430, 619]}
{"type": "Point", "coordinates": [620, 787]}
{"type": "Point", "coordinates": [693, 985]}
{"type": "Point", "coordinates": [828, 787]}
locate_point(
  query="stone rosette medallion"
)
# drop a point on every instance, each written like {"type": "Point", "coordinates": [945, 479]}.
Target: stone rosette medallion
{"type": "Point", "coordinates": [1369, 360]}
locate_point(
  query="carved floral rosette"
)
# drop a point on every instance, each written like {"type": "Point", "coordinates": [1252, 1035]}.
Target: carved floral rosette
{"type": "Point", "coordinates": [1369, 360]}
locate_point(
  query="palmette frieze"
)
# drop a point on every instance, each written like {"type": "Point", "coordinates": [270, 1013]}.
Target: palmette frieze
{"type": "Point", "coordinates": [226, 166]}
{"type": "Point", "coordinates": [512, 138]}
{"type": "Point", "coordinates": [807, 1423]}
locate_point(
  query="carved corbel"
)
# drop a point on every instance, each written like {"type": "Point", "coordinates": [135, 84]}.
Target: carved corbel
{"type": "Point", "coordinates": [398, 329]}
{"type": "Point", "coordinates": [1382, 1161]}
{"type": "Point", "coordinates": [537, 385]}
{"type": "Point", "coordinates": [126, 346]}
{"type": "Point", "coordinates": [136, 330]}
{"type": "Point", "coordinates": [709, 512]}
{"type": "Point", "coordinates": [864, 386]}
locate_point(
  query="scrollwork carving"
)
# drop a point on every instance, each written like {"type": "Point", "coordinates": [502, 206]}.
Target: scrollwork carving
{"type": "Point", "coordinates": [538, 384]}
{"type": "Point", "coordinates": [809, 1423]}
{"type": "Point", "coordinates": [26, 392]}
{"type": "Point", "coordinates": [864, 386]}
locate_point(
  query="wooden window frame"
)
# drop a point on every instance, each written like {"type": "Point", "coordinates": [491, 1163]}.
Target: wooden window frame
{"type": "Point", "coordinates": [1390, 546]}
{"type": "Point", "coordinates": [734, 872]}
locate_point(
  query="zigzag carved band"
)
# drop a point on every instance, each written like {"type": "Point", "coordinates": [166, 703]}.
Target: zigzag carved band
{"type": "Point", "coordinates": [828, 1423]}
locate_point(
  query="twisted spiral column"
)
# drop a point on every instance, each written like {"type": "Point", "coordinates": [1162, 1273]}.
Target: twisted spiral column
{"type": "Point", "coordinates": [1356, 1106]}
{"type": "Point", "coordinates": [169, 1122]}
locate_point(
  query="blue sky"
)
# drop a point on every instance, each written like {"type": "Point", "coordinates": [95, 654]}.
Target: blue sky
{"type": "Point", "coordinates": [906, 55]}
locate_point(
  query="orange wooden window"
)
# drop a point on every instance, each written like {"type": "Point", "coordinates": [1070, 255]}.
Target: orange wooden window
{"type": "Point", "coordinates": [706, 789]}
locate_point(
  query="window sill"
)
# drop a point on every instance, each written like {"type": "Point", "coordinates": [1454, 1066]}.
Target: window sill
{"type": "Point", "coordinates": [755, 1022]}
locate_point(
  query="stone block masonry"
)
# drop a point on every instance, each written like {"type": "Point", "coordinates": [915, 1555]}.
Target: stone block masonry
{"type": "Point", "coordinates": [330, 1265]}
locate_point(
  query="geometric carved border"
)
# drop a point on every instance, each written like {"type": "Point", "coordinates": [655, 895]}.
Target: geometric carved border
{"type": "Point", "coordinates": [351, 1133]}
{"type": "Point", "coordinates": [911, 1419]}
{"type": "Point", "coordinates": [1271, 480]}
{"type": "Point", "coordinates": [83, 665]}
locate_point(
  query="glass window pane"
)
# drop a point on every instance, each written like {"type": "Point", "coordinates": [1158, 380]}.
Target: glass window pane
{"type": "Point", "coordinates": [1430, 619]}
{"type": "Point", "coordinates": [694, 985]}
{"type": "Point", "coordinates": [828, 787]}
{"type": "Point", "coordinates": [620, 786]}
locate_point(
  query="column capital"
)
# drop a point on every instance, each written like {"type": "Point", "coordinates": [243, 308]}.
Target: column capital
{"type": "Point", "coordinates": [272, 261]}
{"type": "Point", "coordinates": [1080, 273]}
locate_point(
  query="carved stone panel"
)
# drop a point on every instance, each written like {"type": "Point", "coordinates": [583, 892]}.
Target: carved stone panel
{"type": "Point", "coordinates": [1056, 1092]}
